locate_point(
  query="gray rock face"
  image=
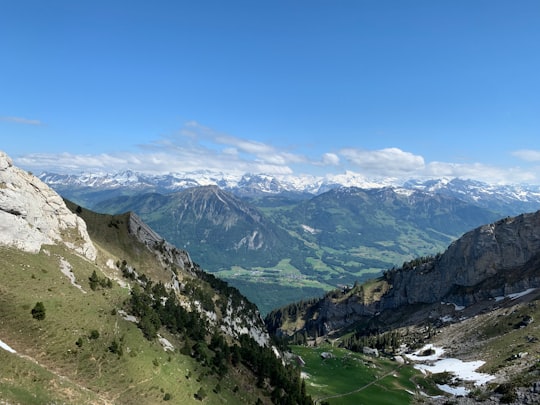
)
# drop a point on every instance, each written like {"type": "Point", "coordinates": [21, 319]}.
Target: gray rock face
{"type": "Point", "coordinates": [492, 260]}
{"type": "Point", "coordinates": [488, 251]}
{"type": "Point", "coordinates": [32, 214]}
{"type": "Point", "coordinates": [147, 236]}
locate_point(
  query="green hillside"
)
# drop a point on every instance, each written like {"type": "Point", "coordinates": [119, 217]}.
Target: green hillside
{"type": "Point", "coordinates": [88, 350]}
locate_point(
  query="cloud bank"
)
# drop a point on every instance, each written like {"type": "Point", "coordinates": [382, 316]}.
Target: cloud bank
{"type": "Point", "coordinates": [196, 147]}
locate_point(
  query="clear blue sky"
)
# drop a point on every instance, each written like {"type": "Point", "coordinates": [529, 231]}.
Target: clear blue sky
{"type": "Point", "coordinates": [381, 88]}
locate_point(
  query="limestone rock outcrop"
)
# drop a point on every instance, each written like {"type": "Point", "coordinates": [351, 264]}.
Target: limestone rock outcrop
{"type": "Point", "coordinates": [490, 261]}
{"type": "Point", "coordinates": [32, 214]}
{"type": "Point", "coordinates": [491, 251]}
{"type": "Point", "coordinates": [150, 238]}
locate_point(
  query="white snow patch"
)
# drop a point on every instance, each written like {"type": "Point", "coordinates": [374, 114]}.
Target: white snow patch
{"type": "Point", "coordinates": [515, 295]}
{"type": "Point", "coordinates": [463, 370]}
{"type": "Point", "coordinates": [446, 318]}
{"type": "Point", "coordinates": [305, 375]}
{"type": "Point", "coordinates": [66, 269]}
{"type": "Point", "coordinates": [457, 391]}
{"type": "Point", "coordinates": [6, 347]}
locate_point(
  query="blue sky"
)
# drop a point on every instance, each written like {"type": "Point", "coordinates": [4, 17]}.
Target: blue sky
{"type": "Point", "coordinates": [381, 88]}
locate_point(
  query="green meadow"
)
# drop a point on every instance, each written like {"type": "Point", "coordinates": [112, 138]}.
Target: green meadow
{"type": "Point", "coordinates": [355, 379]}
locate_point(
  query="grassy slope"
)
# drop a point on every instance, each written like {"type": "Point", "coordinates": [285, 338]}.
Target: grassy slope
{"type": "Point", "coordinates": [141, 375]}
{"type": "Point", "coordinates": [50, 367]}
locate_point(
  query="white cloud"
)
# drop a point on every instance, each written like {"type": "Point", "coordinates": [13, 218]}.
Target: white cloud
{"type": "Point", "coordinates": [21, 120]}
{"type": "Point", "coordinates": [330, 159]}
{"type": "Point", "coordinates": [246, 149]}
{"type": "Point", "coordinates": [527, 155]}
{"type": "Point", "coordinates": [388, 161]}
{"type": "Point", "coordinates": [196, 147]}
{"type": "Point", "coordinates": [482, 172]}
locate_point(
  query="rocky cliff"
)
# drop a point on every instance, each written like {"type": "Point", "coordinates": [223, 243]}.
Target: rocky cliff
{"type": "Point", "coordinates": [168, 253]}
{"type": "Point", "coordinates": [32, 214]}
{"type": "Point", "coordinates": [491, 261]}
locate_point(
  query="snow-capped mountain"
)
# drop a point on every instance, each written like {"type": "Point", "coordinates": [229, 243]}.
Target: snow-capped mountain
{"type": "Point", "coordinates": [503, 199]}
{"type": "Point", "coordinates": [498, 198]}
{"type": "Point", "coordinates": [243, 184]}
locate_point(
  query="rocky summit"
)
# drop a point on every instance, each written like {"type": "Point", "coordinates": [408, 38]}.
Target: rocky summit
{"type": "Point", "coordinates": [32, 214]}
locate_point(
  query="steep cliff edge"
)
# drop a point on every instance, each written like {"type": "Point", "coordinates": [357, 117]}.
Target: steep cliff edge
{"type": "Point", "coordinates": [493, 260]}
{"type": "Point", "coordinates": [32, 214]}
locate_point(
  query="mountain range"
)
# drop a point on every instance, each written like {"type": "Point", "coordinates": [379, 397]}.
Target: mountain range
{"type": "Point", "coordinates": [299, 237]}
{"type": "Point", "coordinates": [89, 188]}
{"type": "Point", "coordinates": [101, 309]}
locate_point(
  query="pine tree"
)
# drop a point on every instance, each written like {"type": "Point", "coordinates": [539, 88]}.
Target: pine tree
{"type": "Point", "coordinates": [94, 281]}
{"type": "Point", "coordinates": [38, 312]}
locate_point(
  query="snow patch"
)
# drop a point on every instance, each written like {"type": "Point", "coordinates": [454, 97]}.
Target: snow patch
{"type": "Point", "coordinates": [6, 347]}
{"type": "Point", "coordinates": [463, 370]}
{"type": "Point", "coordinates": [515, 295]}
{"type": "Point", "coordinates": [457, 391]}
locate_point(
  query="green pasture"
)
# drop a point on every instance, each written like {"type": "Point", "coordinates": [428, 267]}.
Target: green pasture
{"type": "Point", "coordinates": [353, 378]}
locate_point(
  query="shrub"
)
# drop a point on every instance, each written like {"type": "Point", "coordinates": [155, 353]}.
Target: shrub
{"type": "Point", "coordinates": [94, 334]}
{"type": "Point", "coordinates": [115, 348]}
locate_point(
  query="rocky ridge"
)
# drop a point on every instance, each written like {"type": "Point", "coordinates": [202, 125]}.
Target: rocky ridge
{"type": "Point", "coordinates": [493, 260]}
{"type": "Point", "coordinates": [32, 214]}
{"type": "Point", "coordinates": [168, 253]}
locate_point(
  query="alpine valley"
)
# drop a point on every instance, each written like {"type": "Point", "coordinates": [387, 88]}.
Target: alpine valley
{"type": "Point", "coordinates": [299, 237]}
{"type": "Point", "coordinates": [100, 309]}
